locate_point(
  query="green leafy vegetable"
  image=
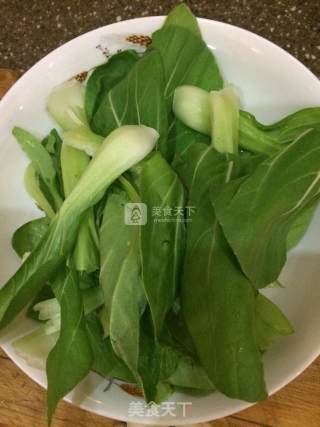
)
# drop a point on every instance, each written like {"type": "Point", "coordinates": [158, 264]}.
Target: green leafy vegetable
{"type": "Point", "coordinates": [162, 240]}
{"type": "Point", "coordinates": [290, 127]}
{"type": "Point", "coordinates": [92, 298]}
{"type": "Point", "coordinates": [252, 137]}
{"type": "Point", "coordinates": [181, 16]}
{"type": "Point", "coordinates": [217, 299]}
{"type": "Point", "coordinates": [300, 226]}
{"type": "Point", "coordinates": [181, 137]}
{"type": "Point", "coordinates": [123, 287]}
{"type": "Point", "coordinates": [227, 323]}
{"type": "Point", "coordinates": [267, 203]}
{"type": "Point", "coordinates": [121, 282]}
{"type": "Point", "coordinates": [32, 186]}
{"type": "Point", "coordinates": [266, 138]}
{"type": "Point", "coordinates": [177, 334]}
{"type": "Point", "coordinates": [41, 162]}
{"type": "Point", "coordinates": [104, 77]}
{"type": "Point", "coordinates": [129, 101]}
{"type": "Point", "coordinates": [26, 238]}
{"type": "Point", "coordinates": [187, 60]}
{"type": "Point", "coordinates": [146, 265]}
{"type": "Point", "coordinates": [106, 362]}
{"type": "Point", "coordinates": [190, 375]}
{"type": "Point", "coordinates": [53, 143]}
{"type": "Point", "coordinates": [86, 251]}
{"type": "Point", "coordinates": [194, 108]}
{"type": "Point", "coordinates": [71, 358]}
{"type": "Point", "coordinates": [85, 255]}
{"type": "Point", "coordinates": [157, 362]}
{"type": "Point", "coordinates": [121, 149]}
{"type": "Point", "coordinates": [270, 322]}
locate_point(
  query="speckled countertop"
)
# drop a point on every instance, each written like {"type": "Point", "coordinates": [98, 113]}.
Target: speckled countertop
{"type": "Point", "coordinates": [30, 29]}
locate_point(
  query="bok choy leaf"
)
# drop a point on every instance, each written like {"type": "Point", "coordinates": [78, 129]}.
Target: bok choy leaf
{"type": "Point", "coordinates": [121, 149]}
{"type": "Point", "coordinates": [27, 237]}
{"type": "Point", "coordinates": [85, 254]}
{"type": "Point", "coordinates": [217, 299]}
{"type": "Point", "coordinates": [187, 60]}
{"type": "Point", "coordinates": [267, 203]}
{"type": "Point", "coordinates": [136, 99]}
{"type": "Point", "coordinates": [71, 359]}
{"type": "Point", "coordinates": [105, 77]}
{"type": "Point", "coordinates": [192, 106]}
{"type": "Point", "coordinates": [148, 264]}
{"type": "Point", "coordinates": [181, 16]}
{"type": "Point", "coordinates": [270, 322]}
{"type": "Point", "coordinates": [32, 186]}
{"type": "Point", "coordinates": [106, 362]}
{"type": "Point", "coordinates": [41, 162]}
{"type": "Point", "coordinates": [290, 127]}
{"type": "Point", "coordinates": [162, 238]}
{"type": "Point", "coordinates": [120, 278]}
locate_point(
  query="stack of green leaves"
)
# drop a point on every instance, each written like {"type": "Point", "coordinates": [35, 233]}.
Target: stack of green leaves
{"type": "Point", "coordinates": [165, 305]}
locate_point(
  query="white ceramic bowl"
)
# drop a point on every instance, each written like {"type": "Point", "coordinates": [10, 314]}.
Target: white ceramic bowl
{"type": "Point", "coordinates": [272, 83]}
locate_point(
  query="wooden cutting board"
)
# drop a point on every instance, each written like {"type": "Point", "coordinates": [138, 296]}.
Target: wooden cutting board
{"type": "Point", "coordinates": [23, 402]}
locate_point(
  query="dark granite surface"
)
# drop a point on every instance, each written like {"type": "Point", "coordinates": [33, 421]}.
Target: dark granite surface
{"type": "Point", "coordinates": [29, 29]}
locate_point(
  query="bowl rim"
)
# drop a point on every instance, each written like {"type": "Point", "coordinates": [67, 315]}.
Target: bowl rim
{"type": "Point", "coordinates": [20, 84]}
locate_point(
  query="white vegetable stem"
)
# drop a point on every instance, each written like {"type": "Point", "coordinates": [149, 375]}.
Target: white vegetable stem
{"type": "Point", "coordinates": [73, 163]}
{"type": "Point", "coordinates": [215, 114]}
{"type": "Point", "coordinates": [35, 347]}
{"type": "Point", "coordinates": [225, 119]}
{"type": "Point", "coordinates": [123, 148]}
{"type": "Point", "coordinates": [66, 105]}
{"type": "Point", "coordinates": [83, 139]}
{"type": "Point", "coordinates": [192, 106]}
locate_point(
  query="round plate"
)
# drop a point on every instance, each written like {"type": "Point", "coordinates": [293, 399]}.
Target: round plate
{"type": "Point", "coordinates": [271, 84]}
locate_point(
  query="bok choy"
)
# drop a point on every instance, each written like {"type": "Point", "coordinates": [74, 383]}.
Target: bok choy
{"type": "Point", "coordinates": [191, 105]}
{"type": "Point", "coordinates": [165, 208]}
{"type": "Point", "coordinates": [123, 148]}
